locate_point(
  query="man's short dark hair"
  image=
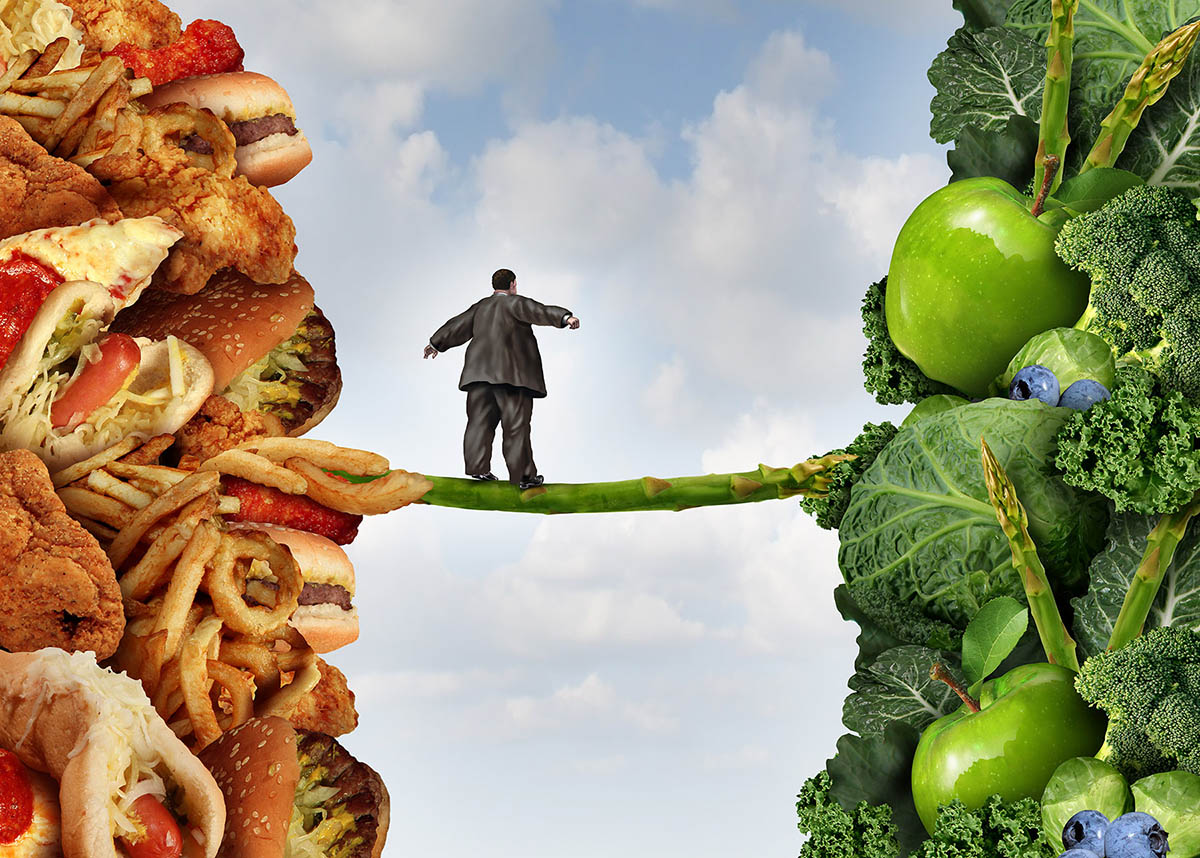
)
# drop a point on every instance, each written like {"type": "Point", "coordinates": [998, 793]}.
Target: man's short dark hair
{"type": "Point", "coordinates": [503, 279]}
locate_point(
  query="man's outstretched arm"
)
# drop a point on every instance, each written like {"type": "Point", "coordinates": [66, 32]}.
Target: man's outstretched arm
{"type": "Point", "coordinates": [532, 312]}
{"type": "Point", "coordinates": [454, 333]}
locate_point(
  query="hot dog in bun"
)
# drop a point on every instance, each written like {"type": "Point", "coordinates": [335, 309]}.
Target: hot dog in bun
{"type": "Point", "coordinates": [270, 149]}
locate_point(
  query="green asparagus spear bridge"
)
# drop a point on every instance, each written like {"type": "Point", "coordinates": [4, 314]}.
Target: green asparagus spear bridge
{"type": "Point", "coordinates": [810, 478]}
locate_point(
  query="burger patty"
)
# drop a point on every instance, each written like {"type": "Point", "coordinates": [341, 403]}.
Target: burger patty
{"type": "Point", "coordinates": [246, 132]}
{"type": "Point", "coordinates": [361, 797]}
{"type": "Point", "coordinates": [310, 594]}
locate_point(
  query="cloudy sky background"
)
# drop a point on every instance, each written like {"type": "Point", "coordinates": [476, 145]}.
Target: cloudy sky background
{"type": "Point", "coordinates": [709, 185]}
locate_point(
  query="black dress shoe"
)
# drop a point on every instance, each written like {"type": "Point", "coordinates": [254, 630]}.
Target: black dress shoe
{"type": "Point", "coordinates": [532, 482]}
{"type": "Point", "coordinates": [488, 476]}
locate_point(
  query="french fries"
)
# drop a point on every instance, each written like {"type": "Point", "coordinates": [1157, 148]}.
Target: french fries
{"type": "Point", "coordinates": [86, 113]}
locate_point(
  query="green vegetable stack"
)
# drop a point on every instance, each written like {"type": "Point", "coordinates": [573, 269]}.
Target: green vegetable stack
{"type": "Point", "coordinates": [1042, 315]}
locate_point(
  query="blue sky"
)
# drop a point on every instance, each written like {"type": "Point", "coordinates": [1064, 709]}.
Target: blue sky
{"type": "Point", "coordinates": [709, 186]}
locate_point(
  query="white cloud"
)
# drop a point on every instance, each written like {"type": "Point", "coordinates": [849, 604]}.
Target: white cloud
{"type": "Point", "coordinates": [591, 699]}
{"type": "Point", "coordinates": [745, 757]}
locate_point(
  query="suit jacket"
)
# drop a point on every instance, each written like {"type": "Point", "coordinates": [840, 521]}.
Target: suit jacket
{"type": "Point", "coordinates": [503, 349]}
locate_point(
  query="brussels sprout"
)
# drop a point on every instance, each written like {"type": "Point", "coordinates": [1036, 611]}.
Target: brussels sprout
{"type": "Point", "coordinates": [1070, 354]}
{"type": "Point", "coordinates": [1172, 798]}
{"type": "Point", "coordinates": [1084, 783]}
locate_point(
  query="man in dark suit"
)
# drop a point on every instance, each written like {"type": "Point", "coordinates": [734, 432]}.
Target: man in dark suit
{"type": "Point", "coordinates": [502, 374]}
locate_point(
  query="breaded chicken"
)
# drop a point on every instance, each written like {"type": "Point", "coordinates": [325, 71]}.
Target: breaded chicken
{"type": "Point", "coordinates": [39, 190]}
{"type": "Point", "coordinates": [107, 23]}
{"type": "Point", "coordinates": [329, 707]}
{"type": "Point", "coordinates": [218, 426]}
{"type": "Point", "coordinates": [57, 587]}
{"type": "Point", "coordinates": [226, 223]}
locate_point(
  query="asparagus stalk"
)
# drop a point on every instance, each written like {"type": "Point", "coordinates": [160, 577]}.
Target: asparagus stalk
{"type": "Point", "coordinates": [1053, 136]}
{"type": "Point", "coordinates": [807, 479]}
{"type": "Point", "coordinates": [1143, 589]}
{"type": "Point", "coordinates": [1147, 86]}
{"type": "Point", "coordinates": [1056, 640]}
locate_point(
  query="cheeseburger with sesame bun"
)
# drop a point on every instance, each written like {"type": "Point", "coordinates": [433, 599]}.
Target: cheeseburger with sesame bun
{"type": "Point", "coordinates": [271, 348]}
{"type": "Point", "coordinates": [296, 793]}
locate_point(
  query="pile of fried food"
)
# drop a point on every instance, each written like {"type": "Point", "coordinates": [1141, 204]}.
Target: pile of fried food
{"type": "Point", "coordinates": [170, 546]}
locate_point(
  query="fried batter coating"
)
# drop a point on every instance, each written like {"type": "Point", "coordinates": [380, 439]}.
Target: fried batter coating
{"type": "Point", "coordinates": [39, 190]}
{"type": "Point", "coordinates": [57, 587]}
{"type": "Point", "coordinates": [107, 23]}
{"type": "Point", "coordinates": [329, 707]}
{"type": "Point", "coordinates": [226, 223]}
{"type": "Point", "coordinates": [218, 426]}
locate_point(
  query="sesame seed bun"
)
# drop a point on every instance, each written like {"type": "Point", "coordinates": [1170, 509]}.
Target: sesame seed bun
{"type": "Point", "coordinates": [256, 768]}
{"type": "Point", "coordinates": [234, 322]}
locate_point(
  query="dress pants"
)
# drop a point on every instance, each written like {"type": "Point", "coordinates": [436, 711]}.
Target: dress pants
{"type": "Point", "coordinates": [489, 405]}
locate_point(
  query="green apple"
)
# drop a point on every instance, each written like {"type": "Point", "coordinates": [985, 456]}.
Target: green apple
{"type": "Point", "coordinates": [973, 277]}
{"type": "Point", "coordinates": [1030, 720]}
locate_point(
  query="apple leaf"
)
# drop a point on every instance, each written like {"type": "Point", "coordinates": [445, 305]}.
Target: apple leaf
{"type": "Point", "coordinates": [991, 635]}
{"type": "Point", "coordinates": [984, 78]}
{"type": "Point", "coordinates": [1178, 599]}
{"type": "Point", "coordinates": [1006, 154]}
{"type": "Point", "coordinates": [1091, 190]}
{"type": "Point", "coordinates": [897, 687]}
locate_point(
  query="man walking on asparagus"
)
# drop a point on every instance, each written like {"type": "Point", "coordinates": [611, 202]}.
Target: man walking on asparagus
{"type": "Point", "coordinates": [502, 374]}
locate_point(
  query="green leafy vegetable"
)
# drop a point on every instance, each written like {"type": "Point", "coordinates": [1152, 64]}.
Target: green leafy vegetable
{"type": "Point", "coordinates": [887, 622]}
{"type": "Point", "coordinates": [1150, 691]}
{"type": "Point", "coordinates": [864, 831]}
{"type": "Point", "coordinates": [990, 637]}
{"type": "Point", "coordinates": [828, 510]}
{"type": "Point", "coordinates": [920, 526]}
{"type": "Point", "coordinates": [1140, 449]}
{"type": "Point", "coordinates": [983, 78]}
{"type": "Point", "coordinates": [1070, 354]}
{"type": "Point", "coordinates": [890, 376]}
{"type": "Point", "coordinates": [980, 14]}
{"type": "Point", "coordinates": [897, 687]}
{"type": "Point", "coordinates": [1006, 154]}
{"type": "Point", "coordinates": [1177, 600]}
{"type": "Point", "coordinates": [999, 829]}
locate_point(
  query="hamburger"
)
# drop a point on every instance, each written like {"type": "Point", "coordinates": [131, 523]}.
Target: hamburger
{"type": "Point", "coordinates": [326, 618]}
{"type": "Point", "coordinates": [295, 792]}
{"type": "Point", "coordinates": [271, 348]}
{"type": "Point", "coordinates": [259, 113]}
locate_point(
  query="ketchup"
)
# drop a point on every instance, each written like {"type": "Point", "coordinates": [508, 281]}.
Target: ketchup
{"type": "Point", "coordinates": [206, 47]}
{"type": "Point", "coordinates": [24, 285]}
{"type": "Point", "coordinates": [16, 798]}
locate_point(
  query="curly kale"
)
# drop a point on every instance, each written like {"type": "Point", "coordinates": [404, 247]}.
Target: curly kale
{"type": "Point", "coordinates": [830, 509]}
{"type": "Point", "coordinates": [890, 376]}
{"type": "Point", "coordinates": [1150, 690]}
{"type": "Point", "coordinates": [834, 832]}
{"type": "Point", "coordinates": [897, 618]}
{"type": "Point", "coordinates": [1142, 253]}
{"type": "Point", "coordinates": [999, 829]}
{"type": "Point", "coordinates": [1140, 449]}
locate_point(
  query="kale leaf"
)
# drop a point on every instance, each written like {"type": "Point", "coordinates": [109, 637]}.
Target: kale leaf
{"type": "Point", "coordinates": [897, 687]}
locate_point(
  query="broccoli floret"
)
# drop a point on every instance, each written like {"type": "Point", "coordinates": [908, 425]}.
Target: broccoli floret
{"type": "Point", "coordinates": [830, 510]}
{"type": "Point", "coordinates": [891, 377]}
{"type": "Point", "coordinates": [1142, 253]}
{"type": "Point", "coordinates": [999, 829]}
{"type": "Point", "coordinates": [1140, 449]}
{"type": "Point", "coordinates": [834, 832]}
{"type": "Point", "coordinates": [1150, 690]}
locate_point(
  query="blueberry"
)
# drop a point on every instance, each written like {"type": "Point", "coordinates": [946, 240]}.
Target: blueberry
{"type": "Point", "coordinates": [1083, 394]}
{"type": "Point", "coordinates": [1034, 382]}
{"type": "Point", "coordinates": [1135, 835]}
{"type": "Point", "coordinates": [1080, 852]}
{"type": "Point", "coordinates": [1087, 825]}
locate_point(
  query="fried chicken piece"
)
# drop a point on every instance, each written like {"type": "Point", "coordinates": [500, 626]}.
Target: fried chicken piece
{"type": "Point", "coordinates": [329, 707]}
{"type": "Point", "coordinates": [39, 190]}
{"type": "Point", "coordinates": [226, 223]}
{"type": "Point", "coordinates": [218, 426]}
{"type": "Point", "coordinates": [107, 23]}
{"type": "Point", "coordinates": [57, 587]}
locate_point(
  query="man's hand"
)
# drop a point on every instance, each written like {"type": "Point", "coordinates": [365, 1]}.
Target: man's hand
{"type": "Point", "coordinates": [431, 352]}
{"type": "Point", "coordinates": [572, 322]}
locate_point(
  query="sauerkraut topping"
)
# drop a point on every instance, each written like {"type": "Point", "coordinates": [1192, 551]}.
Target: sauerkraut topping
{"type": "Point", "coordinates": [26, 24]}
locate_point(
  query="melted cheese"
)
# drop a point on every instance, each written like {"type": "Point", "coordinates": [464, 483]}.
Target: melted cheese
{"type": "Point", "coordinates": [120, 256]}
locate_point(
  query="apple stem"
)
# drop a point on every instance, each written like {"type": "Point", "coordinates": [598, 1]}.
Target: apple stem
{"type": "Point", "coordinates": [1052, 163]}
{"type": "Point", "coordinates": [939, 672]}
